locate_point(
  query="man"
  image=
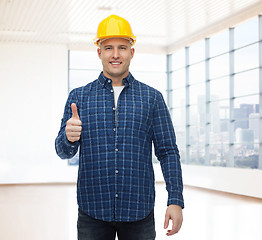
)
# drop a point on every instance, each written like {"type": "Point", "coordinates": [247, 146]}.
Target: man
{"type": "Point", "coordinates": [114, 120]}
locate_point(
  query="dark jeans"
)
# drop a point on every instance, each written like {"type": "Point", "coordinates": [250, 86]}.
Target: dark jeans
{"type": "Point", "coordinates": [92, 229]}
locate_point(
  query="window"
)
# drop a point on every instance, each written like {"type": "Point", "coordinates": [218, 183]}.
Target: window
{"type": "Point", "coordinates": [219, 66]}
{"type": "Point", "coordinates": [197, 73]}
{"type": "Point", "coordinates": [84, 67]}
{"type": "Point", "coordinates": [246, 58]}
{"type": "Point", "coordinates": [197, 52]}
{"type": "Point", "coordinates": [178, 59]}
{"type": "Point", "coordinates": [219, 88]}
{"type": "Point", "coordinates": [241, 87]}
{"type": "Point", "coordinates": [219, 44]}
{"type": "Point", "coordinates": [246, 33]}
{"type": "Point", "coordinates": [216, 98]}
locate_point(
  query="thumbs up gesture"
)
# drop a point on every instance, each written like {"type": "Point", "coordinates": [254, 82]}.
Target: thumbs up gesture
{"type": "Point", "coordinates": [73, 126]}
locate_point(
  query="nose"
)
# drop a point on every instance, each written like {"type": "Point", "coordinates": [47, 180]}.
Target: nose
{"type": "Point", "coordinates": [115, 53]}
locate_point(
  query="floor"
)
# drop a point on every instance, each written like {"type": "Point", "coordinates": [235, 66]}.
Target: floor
{"type": "Point", "coordinates": [49, 211]}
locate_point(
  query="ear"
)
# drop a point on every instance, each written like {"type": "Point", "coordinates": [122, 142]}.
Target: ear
{"type": "Point", "coordinates": [99, 52]}
{"type": "Point", "coordinates": [132, 52]}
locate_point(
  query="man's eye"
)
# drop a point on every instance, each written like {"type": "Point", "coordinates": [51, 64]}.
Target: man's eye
{"type": "Point", "coordinates": [108, 48]}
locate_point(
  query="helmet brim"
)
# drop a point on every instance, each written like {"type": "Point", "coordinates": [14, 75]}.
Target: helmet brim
{"type": "Point", "coordinates": [98, 41]}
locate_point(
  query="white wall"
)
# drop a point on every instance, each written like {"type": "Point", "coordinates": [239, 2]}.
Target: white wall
{"type": "Point", "coordinates": [234, 180]}
{"type": "Point", "coordinates": [33, 91]}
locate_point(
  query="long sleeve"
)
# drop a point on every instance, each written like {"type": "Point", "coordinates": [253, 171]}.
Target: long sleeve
{"type": "Point", "coordinates": [167, 152]}
{"type": "Point", "coordinates": [64, 148]}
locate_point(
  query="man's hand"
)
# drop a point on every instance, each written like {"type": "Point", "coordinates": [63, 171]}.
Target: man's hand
{"type": "Point", "coordinates": [174, 213]}
{"type": "Point", "coordinates": [73, 126]}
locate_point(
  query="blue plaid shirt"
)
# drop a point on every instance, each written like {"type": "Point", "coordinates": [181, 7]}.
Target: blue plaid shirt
{"type": "Point", "coordinates": [116, 177]}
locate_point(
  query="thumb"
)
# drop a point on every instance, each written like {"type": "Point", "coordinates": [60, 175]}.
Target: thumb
{"type": "Point", "coordinates": [74, 111]}
{"type": "Point", "coordinates": [166, 221]}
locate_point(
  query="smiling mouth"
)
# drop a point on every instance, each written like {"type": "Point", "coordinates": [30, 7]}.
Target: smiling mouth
{"type": "Point", "coordinates": [115, 63]}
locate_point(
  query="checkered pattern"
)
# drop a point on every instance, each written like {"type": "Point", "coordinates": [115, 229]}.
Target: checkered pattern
{"type": "Point", "coordinates": [116, 178]}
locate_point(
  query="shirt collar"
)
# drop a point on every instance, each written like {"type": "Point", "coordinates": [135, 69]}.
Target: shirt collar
{"type": "Point", "coordinates": [104, 81]}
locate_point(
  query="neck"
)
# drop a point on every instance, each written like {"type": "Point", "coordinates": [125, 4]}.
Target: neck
{"type": "Point", "coordinates": [116, 81]}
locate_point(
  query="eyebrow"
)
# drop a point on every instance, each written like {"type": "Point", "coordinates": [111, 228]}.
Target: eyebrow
{"type": "Point", "coordinates": [122, 45]}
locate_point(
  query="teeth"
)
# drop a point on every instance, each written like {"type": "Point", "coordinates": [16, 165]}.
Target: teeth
{"type": "Point", "coordinates": [115, 63]}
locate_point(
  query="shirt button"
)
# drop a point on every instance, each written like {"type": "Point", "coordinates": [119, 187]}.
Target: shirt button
{"type": "Point", "coordinates": [114, 108]}
{"type": "Point", "coordinates": [116, 150]}
{"type": "Point", "coordinates": [116, 171]}
{"type": "Point", "coordinates": [112, 90]}
{"type": "Point", "coordinates": [114, 129]}
{"type": "Point", "coordinates": [109, 81]}
{"type": "Point", "coordinates": [116, 195]}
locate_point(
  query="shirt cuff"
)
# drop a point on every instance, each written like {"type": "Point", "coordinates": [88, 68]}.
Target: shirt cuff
{"type": "Point", "coordinates": [176, 201]}
{"type": "Point", "coordinates": [70, 144]}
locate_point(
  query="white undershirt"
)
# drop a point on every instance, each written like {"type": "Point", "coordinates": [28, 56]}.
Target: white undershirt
{"type": "Point", "coordinates": [117, 91]}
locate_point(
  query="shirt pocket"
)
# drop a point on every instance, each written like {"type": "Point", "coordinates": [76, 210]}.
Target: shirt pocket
{"type": "Point", "coordinates": [136, 115]}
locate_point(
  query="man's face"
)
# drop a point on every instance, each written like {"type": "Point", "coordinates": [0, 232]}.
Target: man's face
{"type": "Point", "coordinates": [115, 54]}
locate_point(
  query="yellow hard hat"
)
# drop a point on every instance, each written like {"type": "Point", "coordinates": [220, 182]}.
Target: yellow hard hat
{"type": "Point", "coordinates": [114, 26]}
